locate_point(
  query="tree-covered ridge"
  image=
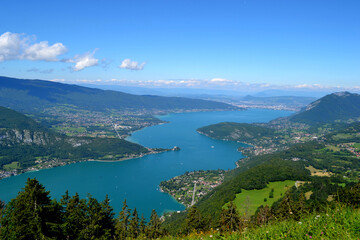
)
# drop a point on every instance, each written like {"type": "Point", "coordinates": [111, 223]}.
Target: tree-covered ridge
{"type": "Point", "coordinates": [35, 95]}
{"type": "Point", "coordinates": [342, 106]}
{"type": "Point", "coordinates": [26, 145]}
{"type": "Point", "coordinates": [14, 120]}
{"type": "Point", "coordinates": [243, 132]}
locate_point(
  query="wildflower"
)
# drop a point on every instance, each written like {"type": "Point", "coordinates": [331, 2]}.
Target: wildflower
{"type": "Point", "coordinates": [300, 223]}
{"type": "Point", "coordinates": [310, 236]}
{"type": "Point", "coordinates": [322, 232]}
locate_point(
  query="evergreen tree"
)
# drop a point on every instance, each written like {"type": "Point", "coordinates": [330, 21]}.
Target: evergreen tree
{"type": "Point", "coordinates": [285, 209]}
{"type": "Point", "coordinates": [134, 225]}
{"type": "Point", "coordinates": [93, 229]}
{"type": "Point", "coordinates": [230, 218]}
{"type": "Point", "coordinates": [31, 215]}
{"type": "Point", "coordinates": [122, 223]}
{"type": "Point", "coordinates": [65, 199]}
{"type": "Point", "coordinates": [349, 195]}
{"type": "Point", "coordinates": [300, 206]}
{"type": "Point", "coordinates": [263, 215]}
{"type": "Point", "coordinates": [74, 216]}
{"type": "Point", "coordinates": [107, 221]}
{"type": "Point", "coordinates": [142, 226]}
{"type": "Point", "coordinates": [271, 194]}
{"type": "Point", "coordinates": [153, 229]}
{"type": "Point", "coordinates": [194, 220]}
{"type": "Point", "coordinates": [2, 206]}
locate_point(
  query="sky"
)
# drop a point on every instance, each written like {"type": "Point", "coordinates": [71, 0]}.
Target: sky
{"type": "Point", "coordinates": [237, 45]}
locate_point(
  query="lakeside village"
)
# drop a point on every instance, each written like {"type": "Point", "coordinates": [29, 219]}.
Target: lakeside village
{"type": "Point", "coordinates": [287, 134]}
{"type": "Point", "coordinates": [191, 186]}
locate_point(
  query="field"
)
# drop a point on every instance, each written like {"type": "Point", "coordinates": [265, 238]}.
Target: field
{"type": "Point", "coordinates": [334, 148]}
{"type": "Point", "coordinates": [249, 200]}
{"type": "Point", "coordinates": [317, 172]}
{"type": "Point", "coordinates": [342, 136]}
{"type": "Point", "coordinates": [11, 166]}
{"type": "Point", "coordinates": [357, 145]}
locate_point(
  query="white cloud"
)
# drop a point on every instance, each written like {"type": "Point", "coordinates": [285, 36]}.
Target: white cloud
{"type": "Point", "coordinates": [18, 46]}
{"type": "Point", "coordinates": [132, 65]}
{"type": "Point", "coordinates": [10, 46]}
{"type": "Point", "coordinates": [84, 61]}
{"type": "Point", "coordinates": [42, 51]}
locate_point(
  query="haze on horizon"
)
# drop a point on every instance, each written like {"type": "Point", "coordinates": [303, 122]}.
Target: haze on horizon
{"type": "Point", "coordinates": [228, 45]}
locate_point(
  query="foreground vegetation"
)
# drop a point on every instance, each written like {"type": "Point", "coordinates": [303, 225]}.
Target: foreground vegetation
{"type": "Point", "coordinates": [340, 222]}
{"type": "Point", "coordinates": [34, 215]}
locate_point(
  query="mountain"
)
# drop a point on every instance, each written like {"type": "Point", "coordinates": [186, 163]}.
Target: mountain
{"type": "Point", "coordinates": [337, 106]}
{"type": "Point", "coordinates": [35, 95]}
{"type": "Point", "coordinates": [25, 142]}
{"type": "Point", "coordinates": [284, 93]}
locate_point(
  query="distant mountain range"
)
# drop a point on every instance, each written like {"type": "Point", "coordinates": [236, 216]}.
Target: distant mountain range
{"type": "Point", "coordinates": [341, 106]}
{"type": "Point", "coordinates": [34, 95]}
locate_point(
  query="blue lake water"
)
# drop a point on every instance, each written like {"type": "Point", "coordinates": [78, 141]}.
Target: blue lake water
{"type": "Point", "coordinates": [137, 180]}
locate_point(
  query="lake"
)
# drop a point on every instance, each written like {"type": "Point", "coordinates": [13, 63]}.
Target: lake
{"type": "Point", "coordinates": [137, 180]}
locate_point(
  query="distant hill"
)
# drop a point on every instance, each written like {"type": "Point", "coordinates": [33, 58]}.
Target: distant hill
{"type": "Point", "coordinates": [236, 131]}
{"type": "Point", "coordinates": [34, 95]}
{"type": "Point", "coordinates": [337, 106]}
{"type": "Point", "coordinates": [10, 119]}
{"type": "Point", "coordinates": [24, 141]}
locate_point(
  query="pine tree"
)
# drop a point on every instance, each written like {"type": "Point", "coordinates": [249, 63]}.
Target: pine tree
{"type": "Point", "coordinates": [230, 218]}
{"type": "Point", "coordinates": [285, 209]}
{"type": "Point", "coordinates": [153, 230]}
{"type": "Point", "coordinates": [134, 225]}
{"type": "Point", "coordinates": [74, 217]}
{"type": "Point", "coordinates": [107, 221]}
{"type": "Point", "coordinates": [142, 225]}
{"type": "Point", "coordinates": [2, 206]}
{"type": "Point", "coordinates": [122, 223]}
{"type": "Point", "coordinates": [194, 220]}
{"type": "Point", "coordinates": [31, 215]}
{"type": "Point", "coordinates": [263, 215]}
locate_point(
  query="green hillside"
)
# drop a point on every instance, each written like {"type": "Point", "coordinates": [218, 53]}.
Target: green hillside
{"type": "Point", "coordinates": [25, 143]}
{"type": "Point", "coordinates": [13, 119]}
{"type": "Point", "coordinates": [35, 95]}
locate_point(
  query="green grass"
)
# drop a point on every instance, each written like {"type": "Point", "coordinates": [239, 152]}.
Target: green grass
{"type": "Point", "coordinates": [342, 136]}
{"type": "Point", "coordinates": [249, 200]}
{"type": "Point", "coordinates": [11, 166]}
{"type": "Point", "coordinates": [339, 223]}
{"type": "Point", "coordinates": [357, 145]}
{"type": "Point", "coordinates": [334, 148]}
